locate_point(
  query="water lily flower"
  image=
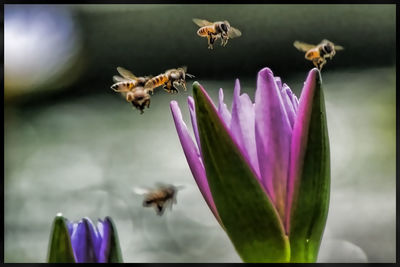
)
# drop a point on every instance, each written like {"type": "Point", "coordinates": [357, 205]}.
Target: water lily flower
{"type": "Point", "coordinates": [263, 167]}
{"type": "Point", "coordinates": [83, 242]}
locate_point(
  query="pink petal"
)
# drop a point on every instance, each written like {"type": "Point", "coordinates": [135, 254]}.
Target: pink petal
{"type": "Point", "coordinates": [235, 141]}
{"type": "Point", "coordinates": [295, 102]}
{"type": "Point", "coordinates": [193, 157]}
{"type": "Point", "coordinates": [278, 82]}
{"type": "Point", "coordinates": [273, 137]}
{"type": "Point", "coordinates": [243, 126]}
{"type": "Point", "coordinates": [223, 110]}
{"type": "Point", "coordinates": [285, 92]}
{"type": "Point", "coordinates": [194, 121]}
{"type": "Point", "coordinates": [299, 136]}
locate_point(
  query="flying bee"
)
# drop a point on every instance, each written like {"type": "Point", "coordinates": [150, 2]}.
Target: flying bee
{"type": "Point", "coordinates": [318, 53]}
{"type": "Point", "coordinates": [162, 196]}
{"type": "Point", "coordinates": [132, 88]}
{"type": "Point", "coordinates": [170, 80]}
{"type": "Point", "coordinates": [215, 30]}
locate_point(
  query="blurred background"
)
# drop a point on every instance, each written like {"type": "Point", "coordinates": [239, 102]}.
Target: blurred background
{"type": "Point", "coordinates": [72, 145]}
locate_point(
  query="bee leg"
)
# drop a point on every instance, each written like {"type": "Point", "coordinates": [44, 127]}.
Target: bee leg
{"type": "Point", "coordinates": [322, 64]}
{"type": "Point", "coordinates": [174, 89]}
{"type": "Point", "coordinates": [332, 54]}
{"type": "Point", "coordinates": [208, 42]}
{"type": "Point", "coordinates": [159, 209]}
{"type": "Point", "coordinates": [226, 41]}
{"type": "Point", "coordinates": [315, 62]}
{"type": "Point", "coordinates": [211, 41]}
{"type": "Point", "coordinates": [184, 85]}
{"type": "Point", "coordinates": [167, 87]}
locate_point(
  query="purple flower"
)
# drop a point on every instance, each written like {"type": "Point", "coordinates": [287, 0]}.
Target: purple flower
{"type": "Point", "coordinates": [279, 138]}
{"type": "Point", "coordinates": [85, 241]}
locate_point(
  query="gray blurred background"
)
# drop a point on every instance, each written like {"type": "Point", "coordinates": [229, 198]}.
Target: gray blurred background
{"type": "Point", "coordinates": [72, 145]}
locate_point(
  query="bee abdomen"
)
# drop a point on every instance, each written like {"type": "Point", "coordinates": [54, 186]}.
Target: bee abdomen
{"type": "Point", "coordinates": [158, 80]}
{"type": "Point", "coordinates": [123, 86]}
{"type": "Point", "coordinates": [204, 31]}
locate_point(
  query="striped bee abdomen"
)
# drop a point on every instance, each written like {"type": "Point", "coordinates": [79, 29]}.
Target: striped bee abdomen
{"type": "Point", "coordinates": [204, 31]}
{"type": "Point", "coordinates": [123, 86]}
{"type": "Point", "coordinates": [157, 81]}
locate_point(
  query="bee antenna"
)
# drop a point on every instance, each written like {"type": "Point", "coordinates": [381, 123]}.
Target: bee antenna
{"type": "Point", "coordinates": [179, 187]}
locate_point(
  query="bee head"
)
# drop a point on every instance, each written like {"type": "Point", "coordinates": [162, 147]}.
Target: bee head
{"type": "Point", "coordinates": [223, 27]}
{"type": "Point", "coordinates": [328, 47]}
{"type": "Point", "coordinates": [141, 103]}
{"type": "Point", "coordinates": [181, 73]}
{"type": "Point", "coordinates": [138, 96]}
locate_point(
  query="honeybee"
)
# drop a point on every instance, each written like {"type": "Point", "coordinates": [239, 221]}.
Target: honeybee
{"type": "Point", "coordinates": [162, 196]}
{"type": "Point", "coordinates": [215, 30]}
{"type": "Point", "coordinates": [132, 88]}
{"type": "Point", "coordinates": [318, 53]}
{"type": "Point", "coordinates": [170, 80]}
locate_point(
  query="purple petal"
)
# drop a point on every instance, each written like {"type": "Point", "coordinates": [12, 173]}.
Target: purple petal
{"type": "Point", "coordinates": [288, 104]}
{"type": "Point", "coordinates": [193, 157]}
{"type": "Point", "coordinates": [278, 82]}
{"type": "Point", "coordinates": [70, 227]}
{"type": "Point", "coordinates": [194, 121]}
{"type": "Point", "coordinates": [241, 150]}
{"type": "Point", "coordinates": [82, 243]}
{"type": "Point", "coordinates": [243, 126]}
{"type": "Point", "coordinates": [223, 110]}
{"type": "Point", "coordinates": [299, 136]}
{"type": "Point", "coordinates": [95, 237]}
{"type": "Point", "coordinates": [273, 137]}
{"type": "Point", "coordinates": [105, 233]}
{"type": "Point", "coordinates": [295, 102]}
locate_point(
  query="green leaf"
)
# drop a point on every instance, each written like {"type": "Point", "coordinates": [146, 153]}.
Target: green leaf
{"type": "Point", "coordinates": [311, 195]}
{"type": "Point", "coordinates": [247, 214]}
{"type": "Point", "coordinates": [60, 248]}
{"type": "Point", "coordinates": [115, 254]}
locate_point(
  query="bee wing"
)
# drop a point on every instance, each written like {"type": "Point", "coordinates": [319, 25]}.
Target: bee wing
{"type": "Point", "coordinates": [148, 86]}
{"type": "Point", "coordinates": [126, 73]}
{"type": "Point", "coordinates": [202, 22]}
{"type": "Point", "coordinates": [338, 47]}
{"type": "Point", "coordinates": [303, 46]}
{"type": "Point", "coordinates": [161, 185]}
{"type": "Point", "coordinates": [141, 190]}
{"type": "Point", "coordinates": [233, 32]}
{"type": "Point", "coordinates": [117, 79]}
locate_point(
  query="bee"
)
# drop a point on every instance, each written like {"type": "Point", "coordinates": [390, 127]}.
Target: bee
{"type": "Point", "coordinates": [318, 53]}
{"type": "Point", "coordinates": [215, 30]}
{"type": "Point", "coordinates": [162, 196]}
{"type": "Point", "coordinates": [132, 88]}
{"type": "Point", "coordinates": [170, 80]}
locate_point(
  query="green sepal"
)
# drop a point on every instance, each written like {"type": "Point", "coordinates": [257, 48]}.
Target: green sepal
{"type": "Point", "coordinates": [311, 196]}
{"type": "Point", "coordinates": [115, 254]}
{"type": "Point", "coordinates": [60, 248]}
{"type": "Point", "coordinates": [248, 215]}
